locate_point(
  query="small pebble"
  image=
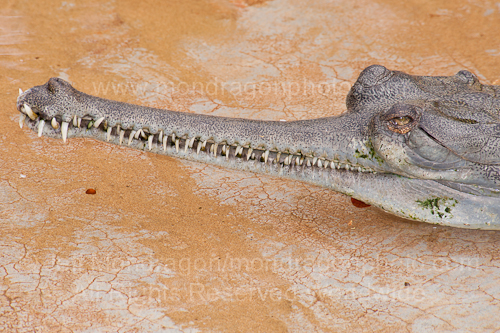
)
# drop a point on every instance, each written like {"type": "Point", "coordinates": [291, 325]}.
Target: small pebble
{"type": "Point", "coordinates": [90, 191]}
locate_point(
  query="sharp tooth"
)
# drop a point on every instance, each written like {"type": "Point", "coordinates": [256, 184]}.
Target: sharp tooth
{"type": "Point", "coordinates": [131, 137]}
{"type": "Point", "coordinates": [308, 162]}
{"type": "Point", "coordinates": [173, 137]}
{"type": "Point", "coordinates": [79, 122]}
{"type": "Point", "coordinates": [191, 142]}
{"type": "Point", "coordinates": [75, 120]}
{"type": "Point", "coordinates": [137, 134]}
{"type": "Point", "coordinates": [297, 161]}
{"type": "Point", "coordinates": [223, 150]}
{"type": "Point", "coordinates": [332, 165]}
{"type": "Point", "coordinates": [122, 134]}
{"type": "Point", "coordinates": [204, 144]}
{"type": "Point", "coordinates": [64, 130]}
{"type": "Point", "coordinates": [176, 144]}
{"type": "Point", "coordinates": [150, 142]}
{"type": "Point", "coordinates": [236, 153]}
{"type": "Point", "coordinates": [40, 127]}
{"type": "Point", "coordinates": [288, 158]}
{"type": "Point", "coordinates": [186, 145]}
{"type": "Point", "coordinates": [22, 118]}
{"type": "Point", "coordinates": [301, 160]}
{"type": "Point", "coordinates": [359, 169]}
{"type": "Point", "coordinates": [215, 149]}
{"type": "Point", "coordinates": [54, 123]}
{"type": "Point", "coordinates": [319, 164]}
{"type": "Point", "coordinates": [278, 155]}
{"type": "Point", "coordinates": [326, 164]}
{"type": "Point", "coordinates": [98, 122]}
{"type": "Point", "coordinates": [315, 159]}
{"type": "Point", "coordinates": [198, 148]}
{"type": "Point", "coordinates": [165, 138]}
{"type": "Point", "coordinates": [30, 112]}
{"type": "Point", "coordinates": [117, 128]}
{"type": "Point", "coordinates": [266, 155]}
{"type": "Point", "coordinates": [253, 156]}
{"type": "Point", "coordinates": [20, 91]}
{"type": "Point", "coordinates": [160, 136]}
{"type": "Point", "coordinates": [347, 166]}
{"type": "Point", "coordinates": [249, 153]}
{"type": "Point", "coordinates": [108, 133]}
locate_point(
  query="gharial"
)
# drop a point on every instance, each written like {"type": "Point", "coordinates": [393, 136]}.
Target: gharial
{"type": "Point", "coordinates": [421, 147]}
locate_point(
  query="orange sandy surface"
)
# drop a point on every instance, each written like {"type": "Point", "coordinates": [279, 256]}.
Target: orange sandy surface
{"type": "Point", "coordinates": [169, 245]}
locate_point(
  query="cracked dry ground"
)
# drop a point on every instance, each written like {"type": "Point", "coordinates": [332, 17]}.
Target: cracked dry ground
{"type": "Point", "coordinates": [169, 245]}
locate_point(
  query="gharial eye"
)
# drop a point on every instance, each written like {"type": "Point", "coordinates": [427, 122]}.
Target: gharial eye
{"type": "Point", "coordinates": [401, 118]}
{"type": "Point", "coordinates": [401, 121]}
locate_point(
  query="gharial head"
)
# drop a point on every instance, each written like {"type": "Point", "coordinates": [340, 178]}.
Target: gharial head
{"type": "Point", "coordinates": [445, 129]}
{"type": "Point", "coordinates": [440, 128]}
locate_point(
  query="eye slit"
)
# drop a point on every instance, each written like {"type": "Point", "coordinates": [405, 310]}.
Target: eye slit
{"type": "Point", "coordinates": [400, 121]}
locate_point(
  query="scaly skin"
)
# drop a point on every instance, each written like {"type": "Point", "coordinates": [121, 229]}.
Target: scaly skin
{"type": "Point", "coordinates": [424, 148]}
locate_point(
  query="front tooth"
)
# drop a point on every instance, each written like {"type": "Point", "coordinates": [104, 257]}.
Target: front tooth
{"type": "Point", "coordinates": [30, 112]}
{"type": "Point", "coordinates": [75, 120]}
{"type": "Point", "coordinates": [98, 122]}
{"type": "Point", "coordinates": [54, 123]}
{"type": "Point", "coordinates": [64, 130]}
{"type": "Point", "coordinates": [215, 149]}
{"type": "Point", "coordinates": [176, 144]}
{"type": "Point", "coordinates": [137, 134]}
{"type": "Point", "coordinates": [160, 136]}
{"type": "Point", "coordinates": [266, 155]}
{"type": "Point", "coordinates": [108, 133]}
{"type": "Point", "coordinates": [20, 91]}
{"type": "Point", "coordinates": [22, 118]}
{"type": "Point", "coordinates": [131, 137]}
{"type": "Point", "coordinates": [122, 134]}
{"type": "Point", "coordinates": [150, 142]}
{"type": "Point", "coordinates": [40, 127]}
{"type": "Point", "coordinates": [249, 153]}
{"type": "Point", "coordinates": [165, 138]}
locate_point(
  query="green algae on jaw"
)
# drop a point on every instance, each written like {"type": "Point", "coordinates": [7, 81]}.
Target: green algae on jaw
{"type": "Point", "coordinates": [371, 154]}
{"type": "Point", "coordinates": [439, 206]}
